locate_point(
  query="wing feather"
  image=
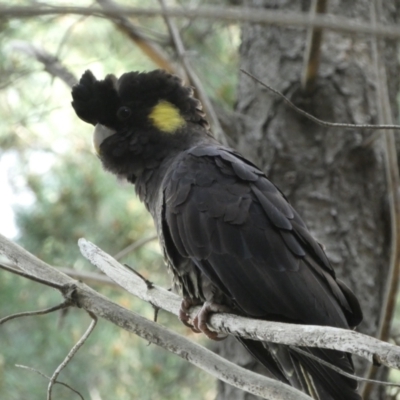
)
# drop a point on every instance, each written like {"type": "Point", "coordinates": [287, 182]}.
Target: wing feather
{"type": "Point", "coordinates": [227, 216]}
{"type": "Point", "coordinates": [240, 232]}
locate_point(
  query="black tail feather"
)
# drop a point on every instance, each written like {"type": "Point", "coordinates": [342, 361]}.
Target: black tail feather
{"type": "Point", "coordinates": [305, 373]}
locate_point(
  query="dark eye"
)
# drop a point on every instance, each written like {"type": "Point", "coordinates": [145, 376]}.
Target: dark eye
{"type": "Point", "coordinates": [124, 113]}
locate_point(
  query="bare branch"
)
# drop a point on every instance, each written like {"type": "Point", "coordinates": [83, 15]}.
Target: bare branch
{"type": "Point", "coordinates": [93, 302]}
{"type": "Point", "coordinates": [227, 14]}
{"type": "Point", "coordinates": [297, 335]}
{"type": "Point", "coordinates": [71, 354]}
{"type": "Point", "coordinates": [61, 306]}
{"type": "Point", "coordinates": [289, 334]}
{"type": "Point", "coordinates": [192, 352]}
{"type": "Point", "coordinates": [315, 119]}
{"type": "Point", "coordinates": [51, 63]}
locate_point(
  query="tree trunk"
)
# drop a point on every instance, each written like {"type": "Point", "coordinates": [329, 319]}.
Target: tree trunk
{"type": "Point", "coordinates": [335, 181]}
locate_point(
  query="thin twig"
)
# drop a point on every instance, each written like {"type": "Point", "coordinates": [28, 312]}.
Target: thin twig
{"type": "Point", "coordinates": [313, 48]}
{"type": "Point", "coordinates": [159, 57]}
{"type": "Point", "coordinates": [194, 78]}
{"type": "Point", "coordinates": [340, 371]}
{"type": "Point", "coordinates": [393, 184]}
{"type": "Point", "coordinates": [149, 284]}
{"type": "Point", "coordinates": [47, 377]}
{"type": "Point", "coordinates": [71, 354]}
{"type": "Point", "coordinates": [315, 119]}
{"type": "Point", "coordinates": [134, 246]}
{"type": "Point", "coordinates": [64, 304]}
{"type": "Point", "coordinates": [235, 15]}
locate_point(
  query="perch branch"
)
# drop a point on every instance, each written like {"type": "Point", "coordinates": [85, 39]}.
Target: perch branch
{"type": "Point", "coordinates": [289, 334]}
{"type": "Point", "coordinates": [297, 335]}
{"type": "Point", "coordinates": [93, 302]}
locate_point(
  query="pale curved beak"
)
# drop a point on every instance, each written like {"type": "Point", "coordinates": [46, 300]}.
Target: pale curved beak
{"type": "Point", "coordinates": [100, 134]}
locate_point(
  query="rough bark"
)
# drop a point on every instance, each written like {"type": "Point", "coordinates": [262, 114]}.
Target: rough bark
{"type": "Point", "coordinates": [336, 183]}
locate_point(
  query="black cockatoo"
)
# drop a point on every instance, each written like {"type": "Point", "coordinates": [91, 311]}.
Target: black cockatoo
{"type": "Point", "coordinates": [230, 238]}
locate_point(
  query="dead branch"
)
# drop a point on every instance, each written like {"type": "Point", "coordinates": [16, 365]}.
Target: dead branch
{"type": "Point", "coordinates": [71, 354]}
{"type": "Point", "coordinates": [48, 377]}
{"type": "Point", "coordinates": [51, 63]}
{"type": "Point", "coordinates": [290, 334]}
{"type": "Point", "coordinates": [64, 304]}
{"type": "Point", "coordinates": [225, 14]}
{"type": "Point", "coordinates": [93, 302]}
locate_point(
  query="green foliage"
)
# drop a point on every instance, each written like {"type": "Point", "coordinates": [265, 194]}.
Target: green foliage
{"type": "Point", "coordinates": [76, 198]}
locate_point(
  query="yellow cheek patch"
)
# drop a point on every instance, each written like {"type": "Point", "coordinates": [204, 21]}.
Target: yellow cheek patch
{"type": "Point", "coordinates": [166, 117]}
